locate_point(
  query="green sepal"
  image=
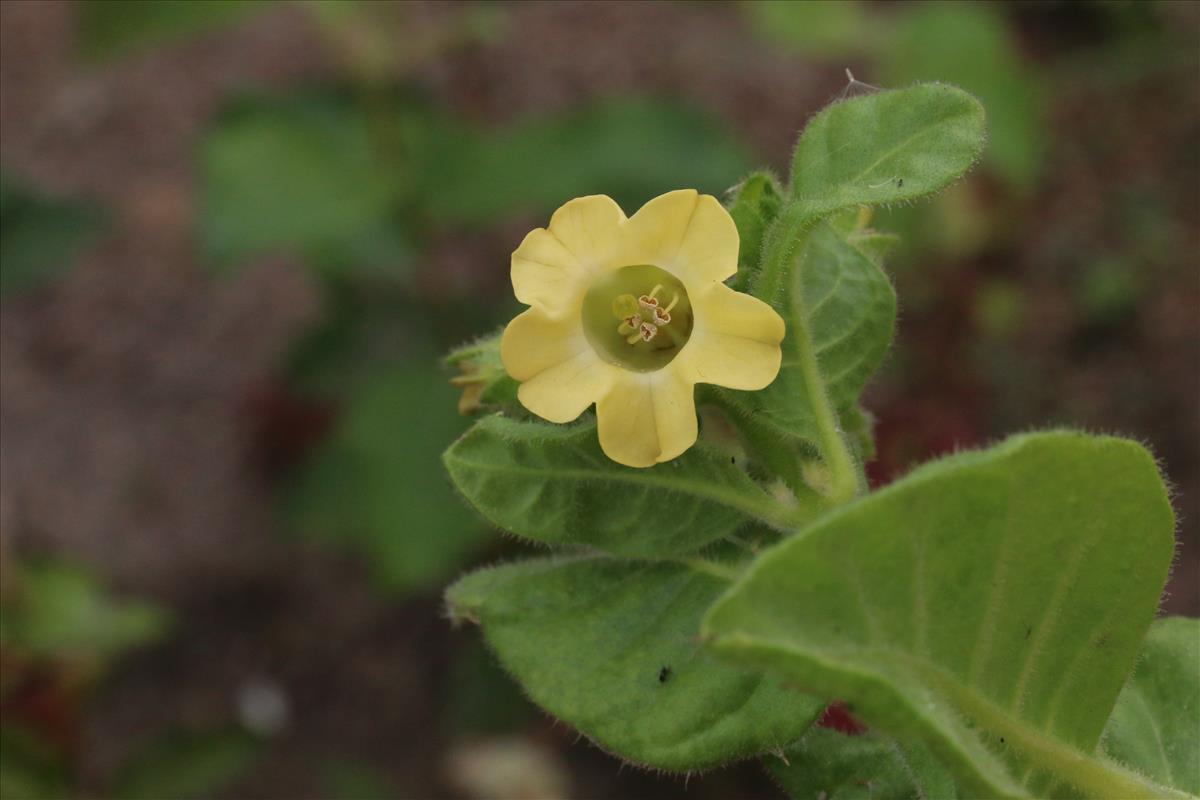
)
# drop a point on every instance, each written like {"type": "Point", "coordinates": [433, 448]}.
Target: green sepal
{"type": "Point", "coordinates": [485, 384]}
{"type": "Point", "coordinates": [753, 204]}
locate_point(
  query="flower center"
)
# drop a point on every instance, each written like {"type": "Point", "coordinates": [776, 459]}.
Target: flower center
{"type": "Point", "coordinates": [637, 317]}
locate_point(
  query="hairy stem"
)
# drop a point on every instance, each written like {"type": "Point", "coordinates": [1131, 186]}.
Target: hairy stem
{"type": "Point", "coordinates": [782, 249]}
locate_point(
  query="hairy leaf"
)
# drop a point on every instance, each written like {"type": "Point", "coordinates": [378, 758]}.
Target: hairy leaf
{"type": "Point", "coordinates": [841, 310]}
{"type": "Point", "coordinates": [973, 605]}
{"type": "Point", "coordinates": [1153, 728]}
{"type": "Point", "coordinates": [552, 483]}
{"type": "Point", "coordinates": [886, 147]}
{"type": "Point", "coordinates": [872, 766]}
{"type": "Point", "coordinates": [610, 647]}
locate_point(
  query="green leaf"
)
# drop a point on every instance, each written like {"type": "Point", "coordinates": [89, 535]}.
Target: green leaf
{"type": "Point", "coordinates": [871, 766]}
{"type": "Point", "coordinates": [63, 612]}
{"type": "Point", "coordinates": [116, 27]}
{"type": "Point", "coordinates": [1153, 727]}
{"type": "Point", "coordinates": [631, 149]}
{"type": "Point", "coordinates": [553, 484]}
{"type": "Point", "coordinates": [840, 310]}
{"type": "Point", "coordinates": [973, 605]}
{"type": "Point", "coordinates": [187, 765]}
{"type": "Point", "coordinates": [376, 484]}
{"type": "Point", "coordinates": [753, 206]}
{"type": "Point", "coordinates": [39, 236]}
{"type": "Point", "coordinates": [609, 647]}
{"type": "Point", "coordinates": [886, 147]}
{"type": "Point", "coordinates": [970, 45]}
{"type": "Point", "coordinates": [298, 175]}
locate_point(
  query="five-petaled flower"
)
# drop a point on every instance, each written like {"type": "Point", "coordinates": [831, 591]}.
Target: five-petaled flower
{"type": "Point", "coordinates": [631, 313]}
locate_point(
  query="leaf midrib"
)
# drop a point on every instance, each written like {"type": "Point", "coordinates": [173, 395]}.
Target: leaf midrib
{"type": "Point", "coordinates": [1084, 770]}
{"type": "Point", "coordinates": [764, 507]}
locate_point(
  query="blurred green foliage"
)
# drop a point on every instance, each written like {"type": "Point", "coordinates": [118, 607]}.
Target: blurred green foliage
{"type": "Point", "coordinates": [351, 780]}
{"type": "Point", "coordinates": [630, 148]}
{"type": "Point", "coordinates": [28, 768]}
{"type": "Point", "coordinates": [59, 611]}
{"type": "Point", "coordinates": [298, 174]}
{"type": "Point", "coordinates": [109, 28]}
{"type": "Point", "coordinates": [39, 236]}
{"type": "Point", "coordinates": [61, 631]}
{"type": "Point", "coordinates": [187, 765]}
{"type": "Point", "coordinates": [377, 485]}
{"type": "Point", "coordinates": [971, 46]}
{"type": "Point", "coordinates": [823, 28]}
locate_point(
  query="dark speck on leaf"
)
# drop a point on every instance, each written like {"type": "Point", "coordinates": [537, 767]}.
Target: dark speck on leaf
{"type": "Point", "coordinates": [899, 183]}
{"type": "Point", "coordinates": [664, 674]}
{"type": "Point", "coordinates": [1027, 632]}
{"type": "Point", "coordinates": [732, 460]}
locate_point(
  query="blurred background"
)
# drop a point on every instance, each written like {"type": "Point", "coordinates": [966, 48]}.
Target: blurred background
{"type": "Point", "coordinates": [237, 236]}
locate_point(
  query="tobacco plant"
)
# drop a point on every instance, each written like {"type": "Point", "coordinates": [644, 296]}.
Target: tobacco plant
{"type": "Point", "coordinates": [717, 578]}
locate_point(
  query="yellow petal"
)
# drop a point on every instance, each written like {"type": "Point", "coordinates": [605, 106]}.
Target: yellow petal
{"type": "Point", "coordinates": [735, 341]}
{"type": "Point", "coordinates": [688, 234]}
{"type": "Point", "coordinates": [552, 267]}
{"type": "Point", "coordinates": [647, 417]}
{"type": "Point", "coordinates": [560, 373]}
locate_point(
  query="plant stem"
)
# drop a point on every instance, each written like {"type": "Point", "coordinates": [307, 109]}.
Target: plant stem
{"type": "Point", "coordinates": [782, 249]}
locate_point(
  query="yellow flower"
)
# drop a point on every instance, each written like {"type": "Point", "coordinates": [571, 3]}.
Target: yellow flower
{"type": "Point", "coordinates": [630, 314]}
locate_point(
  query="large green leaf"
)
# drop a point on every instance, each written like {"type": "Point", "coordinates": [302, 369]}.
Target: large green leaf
{"type": "Point", "coordinates": [1153, 728]}
{"type": "Point", "coordinates": [886, 147]}
{"type": "Point", "coordinates": [377, 486]}
{"type": "Point", "coordinates": [39, 236]}
{"type": "Point", "coordinates": [990, 604]}
{"type": "Point", "coordinates": [553, 484]}
{"type": "Point", "coordinates": [629, 148]}
{"type": "Point", "coordinates": [872, 766]}
{"type": "Point", "coordinates": [841, 310]}
{"type": "Point", "coordinates": [300, 175]}
{"type": "Point", "coordinates": [610, 647]}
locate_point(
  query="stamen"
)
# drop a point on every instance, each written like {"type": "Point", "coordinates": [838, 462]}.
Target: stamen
{"type": "Point", "coordinates": [654, 291]}
{"type": "Point", "coordinates": [674, 300]}
{"type": "Point", "coordinates": [648, 331]}
{"type": "Point", "coordinates": [633, 338]}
